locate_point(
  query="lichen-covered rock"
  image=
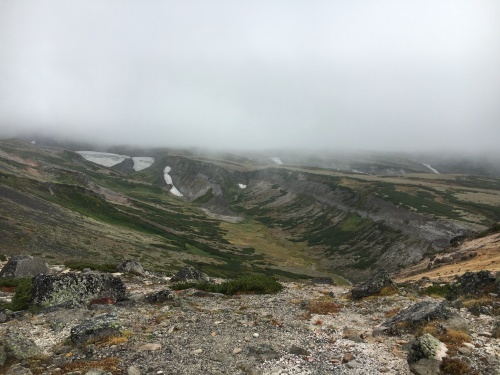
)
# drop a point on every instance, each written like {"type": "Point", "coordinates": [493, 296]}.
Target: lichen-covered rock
{"type": "Point", "coordinates": [75, 289]}
{"type": "Point", "coordinates": [100, 327]}
{"type": "Point", "coordinates": [426, 354]}
{"type": "Point", "coordinates": [160, 296]}
{"type": "Point", "coordinates": [3, 315]}
{"type": "Point", "coordinates": [131, 266]}
{"type": "Point", "coordinates": [3, 354]}
{"type": "Point", "coordinates": [18, 346]}
{"type": "Point", "coordinates": [188, 274]}
{"type": "Point", "coordinates": [24, 266]}
{"type": "Point", "coordinates": [17, 369]}
{"type": "Point", "coordinates": [373, 286]}
{"type": "Point", "coordinates": [473, 285]}
{"type": "Point", "coordinates": [415, 316]}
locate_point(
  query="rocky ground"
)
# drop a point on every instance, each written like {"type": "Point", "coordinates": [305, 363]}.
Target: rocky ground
{"type": "Point", "coordinates": [305, 329]}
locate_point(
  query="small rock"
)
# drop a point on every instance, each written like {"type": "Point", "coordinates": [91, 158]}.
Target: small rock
{"type": "Point", "coordinates": [101, 326]}
{"type": "Point", "coordinates": [464, 350]}
{"type": "Point", "coordinates": [131, 266]}
{"type": "Point", "coordinates": [352, 334]}
{"type": "Point", "coordinates": [132, 370]}
{"type": "Point", "coordinates": [353, 364]}
{"type": "Point", "coordinates": [348, 357]}
{"type": "Point", "coordinates": [297, 350]}
{"type": "Point", "coordinates": [256, 335]}
{"type": "Point", "coordinates": [151, 347]}
{"type": "Point", "coordinates": [237, 350]}
{"type": "Point", "coordinates": [197, 351]}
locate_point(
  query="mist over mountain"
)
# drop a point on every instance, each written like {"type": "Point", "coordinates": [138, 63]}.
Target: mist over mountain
{"type": "Point", "coordinates": [382, 76]}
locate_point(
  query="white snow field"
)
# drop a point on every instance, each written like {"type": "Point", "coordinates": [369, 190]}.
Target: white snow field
{"type": "Point", "coordinates": [277, 160]}
{"type": "Point", "coordinates": [142, 162]}
{"type": "Point", "coordinates": [242, 186]}
{"type": "Point", "coordinates": [432, 169]}
{"type": "Point", "coordinates": [103, 158]}
{"type": "Point", "coordinates": [168, 180]}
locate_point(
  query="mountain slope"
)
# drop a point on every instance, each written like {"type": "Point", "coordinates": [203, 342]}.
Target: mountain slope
{"type": "Point", "coordinates": [236, 214]}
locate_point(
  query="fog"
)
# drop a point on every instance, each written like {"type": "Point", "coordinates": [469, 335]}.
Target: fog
{"type": "Point", "coordinates": [376, 75]}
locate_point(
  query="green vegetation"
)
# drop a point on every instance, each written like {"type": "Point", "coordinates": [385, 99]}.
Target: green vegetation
{"type": "Point", "coordinates": [436, 290]}
{"type": "Point", "coordinates": [22, 296]}
{"type": "Point", "coordinates": [257, 284]}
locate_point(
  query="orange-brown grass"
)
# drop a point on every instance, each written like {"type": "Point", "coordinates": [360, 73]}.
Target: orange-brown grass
{"type": "Point", "coordinates": [388, 291]}
{"type": "Point", "coordinates": [324, 307]}
{"type": "Point", "coordinates": [454, 366]}
{"type": "Point", "coordinates": [110, 364]}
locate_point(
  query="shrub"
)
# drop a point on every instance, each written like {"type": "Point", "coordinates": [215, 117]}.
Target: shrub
{"type": "Point", "coordinates": [454, 366]}
{"type": "Point", "coordinates": [22, 297]}
{"type": "Point", "coordinates": [324, 307]}
{"type": "Point", "coordinates": [258, 284]}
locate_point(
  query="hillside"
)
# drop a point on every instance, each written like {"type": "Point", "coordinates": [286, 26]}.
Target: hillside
{"type": "Point", "coordinates": [237, 214]}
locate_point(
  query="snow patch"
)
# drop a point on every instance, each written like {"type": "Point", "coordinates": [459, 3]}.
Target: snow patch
{"type": "Point", "coordinates": [142, 162]}
{"type": "Point", "coordinates": [103, 158]}
{"type": "Point", "coordinates": [432, 169]}
{"type": "Point", "coordinates": [242, 186]}
{"type": "Point", "coordinates": [277, 160]}
{"type": "Point", "coordinates": [168, 180]}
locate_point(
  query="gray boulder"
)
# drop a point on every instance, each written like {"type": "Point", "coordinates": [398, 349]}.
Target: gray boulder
{"type": "Point", "coordinates": [415, 316]}
{"type": "Point", "coordinates": [75, 289]}
{"type": "Point", "coordinates": [373, 286]}
{"type": "Point", "coordinates": [100, 327]}
{"type": "Point", "coordinates": [190, 274]}
{"type": "Point", "coordinates": [18, 347]}
{"type": "Point", "coordinates": [24, 266]}
{"type": "Point", "coordinates": [426, 354]}
{"type": "Point", "coordinates": [131, 266]}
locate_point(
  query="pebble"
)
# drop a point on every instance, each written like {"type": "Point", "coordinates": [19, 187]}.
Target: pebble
{"type": "Point", "coordinates": [197, 351]}
{"type": "Point", "coordinates": [256, 335]}
{"type": "Point", "coordinates": [237, 350]}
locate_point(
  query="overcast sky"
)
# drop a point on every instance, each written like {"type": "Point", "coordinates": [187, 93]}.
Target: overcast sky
{"type": "Point", "coordinates": [375, 74]}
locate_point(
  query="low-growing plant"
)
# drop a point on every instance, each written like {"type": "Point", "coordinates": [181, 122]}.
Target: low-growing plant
{"type": "Point", "coordinates": [259, 284]}
{"type": "Point", "coordinates": [435, 290]}
{"type": "Point", "coordinates": [455, 366]}
{"type": "Point", "coordinates": [388, 291]}
{"type": "Point", "coordinates": [324, 307]}
{"type": "Point", "coordinates": [22, 296]}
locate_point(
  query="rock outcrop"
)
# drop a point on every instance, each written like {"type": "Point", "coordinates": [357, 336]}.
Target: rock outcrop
{"type": "Point", "coordinates": [24, 266]}
{"type": "Point", "coordinates": [373, 286]}
{"type": "Point", "coordinates": [473, 285]}
{"type": "Point", "coordinates": [415, 316]}
{"type": "Point", "coordinates": [74, 289]}
{"type": "Point", "coordinates": [190, 274]}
